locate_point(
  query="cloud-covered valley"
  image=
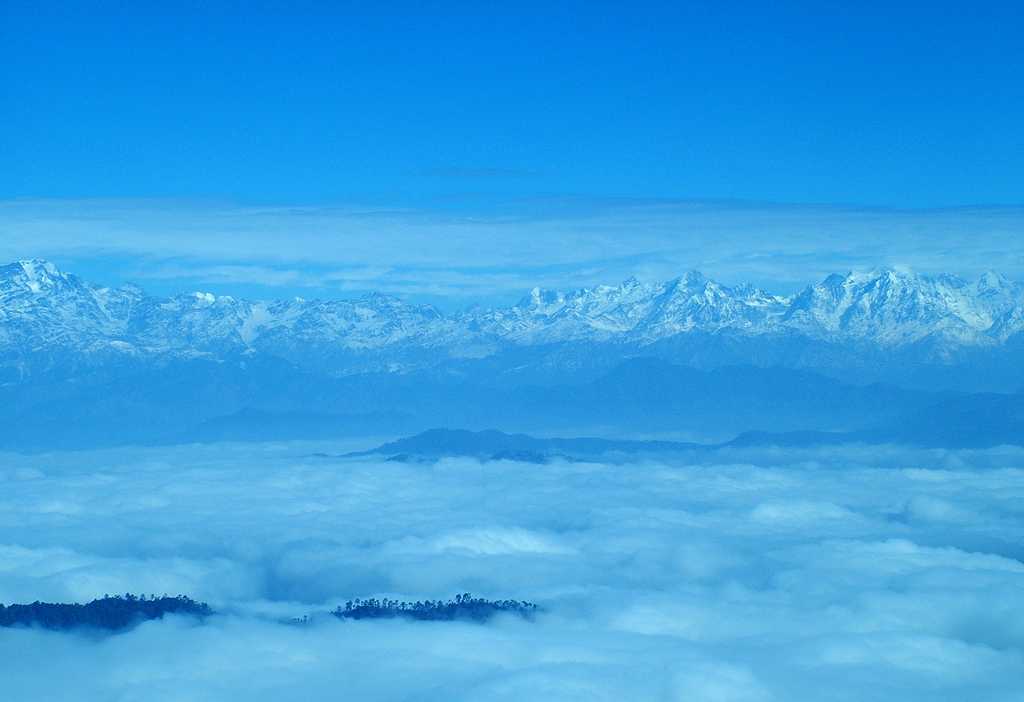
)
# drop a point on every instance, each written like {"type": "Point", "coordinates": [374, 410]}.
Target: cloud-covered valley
{"type": "Point", "coordinates": [843, 574]}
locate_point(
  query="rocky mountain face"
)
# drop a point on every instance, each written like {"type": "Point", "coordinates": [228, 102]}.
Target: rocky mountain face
{"type": "Point", "coordinates": [49, 318]}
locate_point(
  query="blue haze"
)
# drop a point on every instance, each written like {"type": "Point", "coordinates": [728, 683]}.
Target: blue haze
{"type": "Point", "coordinates": [698, 324]}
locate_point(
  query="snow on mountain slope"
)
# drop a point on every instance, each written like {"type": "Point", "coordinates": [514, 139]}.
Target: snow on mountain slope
{"type": "Point", "coordinates": [693, 302]}
{"type": "Point", "coordinates": [632, 311]}
{"type": "Point", "coordinates": [893, 308]}
{"type": "Point", "coordinates": [43, 308]}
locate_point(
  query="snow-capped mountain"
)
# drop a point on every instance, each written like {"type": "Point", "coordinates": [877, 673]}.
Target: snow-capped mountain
{"type": "Point", "coordinates": [42, 307]}
{"type": "Point", "coordinates": [46, 311]}
{"type": "Point", "coordinates": [892, 308]}
{"type": "Point", "coordinates": [634, 311]}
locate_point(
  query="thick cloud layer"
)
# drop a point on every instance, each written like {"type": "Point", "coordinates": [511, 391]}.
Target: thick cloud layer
{"type": "Point", "coordinates": [850, 574]}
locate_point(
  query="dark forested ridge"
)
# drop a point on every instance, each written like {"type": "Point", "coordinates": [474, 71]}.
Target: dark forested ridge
{"type": "Point", "coordinates": [108, 613]}
{"type": "Point", "coordinates": [461, 607]}
{"type": "Point", "coordinates": [122, 612]}
{"type": "Point", "coordinates": [492, 445]}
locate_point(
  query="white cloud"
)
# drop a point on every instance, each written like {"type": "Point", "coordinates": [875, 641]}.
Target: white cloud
{"type": "Point", "coordinates": [418, 253]}
{"type": "Point", "coordinates": [718, 683]}
{"type": "Point", "coordinates": [491, 541]}
{"type": "Point", "coordinates": [882, 574]}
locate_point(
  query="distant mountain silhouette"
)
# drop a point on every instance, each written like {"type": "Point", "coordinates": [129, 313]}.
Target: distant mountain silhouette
{"type": "Point", "coordinates": [497, 445]}
{"type": "Point", "coordinates": [968, 422]}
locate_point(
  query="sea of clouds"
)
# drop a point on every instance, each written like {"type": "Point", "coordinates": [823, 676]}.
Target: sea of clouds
{"type": "Point", "coordinates": [848, 574]}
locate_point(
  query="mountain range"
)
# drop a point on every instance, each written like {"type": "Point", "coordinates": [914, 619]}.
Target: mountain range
{"type": "Point", "coordinates": [87, 365]}
{"type": "Point", "coordinates": [847, 325]}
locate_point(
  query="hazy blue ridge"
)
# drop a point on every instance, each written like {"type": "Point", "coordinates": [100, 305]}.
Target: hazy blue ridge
{"type": "Point", "coordinates": [496, 445]}
{"type": "Point", "coordinates": [264, 399]}
{"type": "Point", "coordinates": [966, 423]}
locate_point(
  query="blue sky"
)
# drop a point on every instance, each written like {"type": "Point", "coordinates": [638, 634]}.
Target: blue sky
{"type": "Point", "coordinates": [519, 110]}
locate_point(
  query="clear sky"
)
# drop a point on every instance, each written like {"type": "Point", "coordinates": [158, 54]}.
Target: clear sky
{"type": "Point", "coordinates": [484, 109]}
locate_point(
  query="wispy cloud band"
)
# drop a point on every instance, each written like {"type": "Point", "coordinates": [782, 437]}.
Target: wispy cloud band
{"type": "Point", "coordinates": [554, 243]}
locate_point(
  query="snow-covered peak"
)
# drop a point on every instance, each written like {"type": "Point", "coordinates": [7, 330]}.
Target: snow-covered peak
{"type": "Point", "coordinates": [995, 289]}
{"type": "Point", "coordinates": [632, 310]}
{"type": "Point", "coordinates": [35, 275]}
{"type": "Point", "coordinates": [38, 268]}
{"type": "Point", "coordinates": [895, 306]}
{"type": "Point", "coordinates": [991, 280]}
{"type": "Point", "coordinates": [690, 279]}
{"type": "Point", "coordinates": [539, 297]}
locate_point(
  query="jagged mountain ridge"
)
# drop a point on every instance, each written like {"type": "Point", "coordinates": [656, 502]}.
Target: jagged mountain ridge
{"type": "Point", "coordinates": [45, 311]}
